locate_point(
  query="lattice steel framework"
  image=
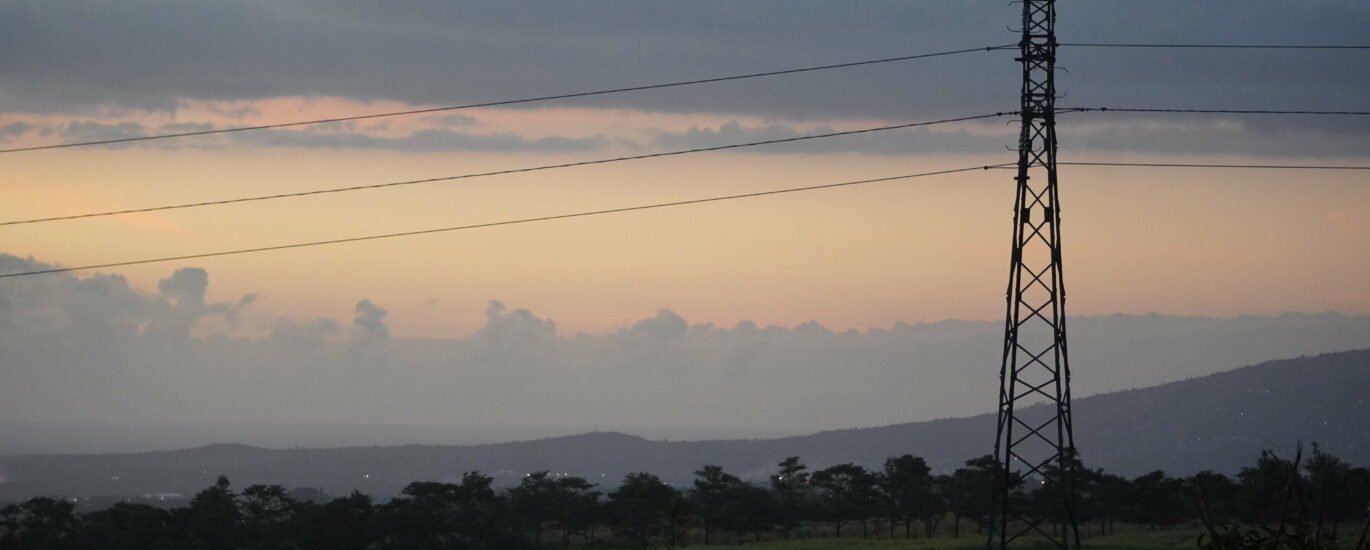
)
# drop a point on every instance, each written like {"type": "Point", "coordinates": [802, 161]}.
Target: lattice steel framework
{"type": "Point", "coordinates": [1035, 447]}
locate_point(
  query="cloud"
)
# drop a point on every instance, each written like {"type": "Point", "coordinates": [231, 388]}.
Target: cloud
{"type": "Point", "coordinates": [87, 349]}
{"type": "Point", "coordinates": [892, 142]}
{"type": "Point", "coordinates": [186, 285]}
{"type": "Point", "coordinates": [452, 120]}
{"type": "Point", "coordinates": [145, 55]}
{"type": "Point", "coordinates": [151, 55]}
{"type": "Point", "coordinates": [1216, 136]}
{"type": "Point", "coordinates": [419, 141]}
{"type": "Point", "coordinates": [1207, 135]}
{"type": "Point", "coordinates": [666, 325]}
{"type": "Point", "coordinates": [89, 130]}
{"type": "Point", "coordinates": [516, 330]}
{"type": "Point", "coordinates": [422, 141]}
{"type": "Point", "coordinates": [13, 129]}
{"type": "Point", "coordinates": [185, 127]}
{"type": "Point", "coordinates": [370, 321]}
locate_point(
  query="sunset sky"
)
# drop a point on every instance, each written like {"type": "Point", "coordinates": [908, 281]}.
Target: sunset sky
{"type": "Point", "coordinates": [773, 315]}
{"type": "Point", "coordinates": [1170, 240]}
{"type": "Point", "coordinates": [1179, 241]}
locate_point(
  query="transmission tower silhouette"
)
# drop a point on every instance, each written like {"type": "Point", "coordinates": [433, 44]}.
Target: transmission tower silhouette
{"type": "Point", "coordinates": [1035, 446]}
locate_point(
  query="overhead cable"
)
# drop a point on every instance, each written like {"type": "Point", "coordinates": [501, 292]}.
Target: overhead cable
{"type": "Point", "coordinates": [511, 101]}
{"type": "Point", "coordinates": [1210, 111]}
{"type": "Point", "coordinates": [502, 172]}
{"type": "Point", "coordinates": [1217, 46]}
{"type": "Point", "coordinates": [1213, 165]}
{"type": "Point", "coordinates": [500, 223]}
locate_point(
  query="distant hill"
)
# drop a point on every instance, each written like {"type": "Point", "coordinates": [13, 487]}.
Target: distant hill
{"type": "Point", "coordinates": [1218, 422]}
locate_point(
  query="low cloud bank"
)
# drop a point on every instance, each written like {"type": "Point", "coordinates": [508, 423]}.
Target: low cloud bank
{"type": "Point", "coordinates": [79, 352]}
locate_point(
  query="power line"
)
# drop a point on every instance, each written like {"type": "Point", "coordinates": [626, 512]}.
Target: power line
{"type": "Point", "coordinates": [501, 223]}
{"type": "Point", "coordinates": [1210, 111]}
{"type": "Point", "coordinates": [1216, 46]}
{"type": "Point", "coordinates": [512, 101]}
{"type": "Point", "coordinates": [502, 172]}
{"type": "Point", "coordinates": [1209, 165]}
{"type": "Point", "coordinates": [653, 206]}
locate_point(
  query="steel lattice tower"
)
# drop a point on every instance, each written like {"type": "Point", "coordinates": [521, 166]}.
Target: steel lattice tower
{"type": "Point", "coordinates": [1035, 446]}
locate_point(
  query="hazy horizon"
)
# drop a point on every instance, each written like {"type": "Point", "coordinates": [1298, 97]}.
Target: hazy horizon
{"type": "Point", "coordinates": [776, 314]}
{"type": "Point", "coordinates": [93, 365]}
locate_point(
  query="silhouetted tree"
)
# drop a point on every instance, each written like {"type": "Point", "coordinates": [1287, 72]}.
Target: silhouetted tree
{"type": "Point", "coordinates": [1336, 491]}
{"type": "Point", "coordinates": [535, 503]}
{"type": "Point", "coordinates": [793, 493]}
{"type": "Point", "coordinates": [908, 482]}
{"type": "Point", "coordinates": [346, 523]}
{"type": "Point", "coordinates": [541, 501]}
{"type": "Point", "coordinates": [447, 515]}
{"type": "Point", "coordinates": [639, 507]}
{"type": "Point", "coordinates": [128, 526]}
{"type": "Point", "coordinates": [213, 517]}
{"type": "Point", "coordinates": [1299, 505]}
{"type": "Point", "coordinates": [39, 524]}
{"type": "Point", "coordinates": [1110, 499]}
{"type": "Point", "coordinates": [268, 517]}
{"type": "Point", "coordinates": [747, 508]}
{"type": "Point", "coordinates": [1158, 500]}
{"type": "Point", "coordinates": [1261, 497]}
{"type": "Point", "coordinates": [970, 491]}
{"type": "Point", "coordinates": [1049, 493]}
{"type": "Point", "coordinates": [938, 512]}
{"type": "Point", "coordinates": [708, 496]}
{"type": "Point", "coordinates": [676, 521]}
{"type": "Point", "coordinates": [1214, 496]}
{"type": "Point", "coordinates": [577, 508]}
{"type": "Point", "coordinates": [847, 493]}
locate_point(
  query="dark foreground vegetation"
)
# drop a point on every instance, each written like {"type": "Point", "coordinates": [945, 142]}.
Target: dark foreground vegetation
{"type": "Point", "coordinates": [1315, 503]}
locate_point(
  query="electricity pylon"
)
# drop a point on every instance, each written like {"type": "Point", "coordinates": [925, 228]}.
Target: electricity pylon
{"type": "Point", "coordinates": [1035, 446]}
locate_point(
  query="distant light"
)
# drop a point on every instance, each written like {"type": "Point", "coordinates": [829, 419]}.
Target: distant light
{"type": "Point", "coordinates": [367, 476]}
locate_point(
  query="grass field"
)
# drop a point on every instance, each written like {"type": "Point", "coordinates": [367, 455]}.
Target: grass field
{"type": "Point", "coordinates": [1130, 539]}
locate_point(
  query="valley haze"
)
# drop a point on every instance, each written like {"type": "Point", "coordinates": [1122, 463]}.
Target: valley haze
{"type": "Point", "coordinates": [1218, 422]}
{"type": "Point", "coordinates": [93, 365]}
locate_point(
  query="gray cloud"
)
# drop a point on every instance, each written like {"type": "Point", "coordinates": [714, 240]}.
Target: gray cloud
{"type": "Point", "coordinates": [13, 129]}
{"type": "Point", "coordinates": [1209, 139]}
{"type": "Point", "coordinates": [1277, 136]}
{"type": "Point", "coordinates": [1263, 136]}
{"type": "Point", "coordinates": [666, 325]}
{"type": "Point", "coordinates": [420, 141]}
{"type": "Point", "coordinates": [451, 120]}
{"type": "Point", "coordinates": [186, 285]}
{"type": "Point", "coordinates": [370, 320]}
{"type": "Point", "coordinates": [89, 130]}
{"type": "Point", "coordinates": [181, 305]}
{"type": "Point", "coordinates": [78, 351]}
{"type": "Point", "coordinates": [893, 142]}
{"type": "Point", "coordinates": [184, 127]}
{"type": "Point", "coordinates": [150, 55]}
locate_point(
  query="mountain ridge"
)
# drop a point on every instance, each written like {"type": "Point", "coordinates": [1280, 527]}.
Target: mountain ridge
{"type": "Point", "coordinates": [1218, 422]}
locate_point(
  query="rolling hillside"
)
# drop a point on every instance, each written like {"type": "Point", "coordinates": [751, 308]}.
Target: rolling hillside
{"type": "Point", "coordinates": [1217, 422]}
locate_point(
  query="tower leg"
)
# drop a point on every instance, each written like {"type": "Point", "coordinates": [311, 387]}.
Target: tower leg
{"type": "Point", "coordinates": [1035, 443]}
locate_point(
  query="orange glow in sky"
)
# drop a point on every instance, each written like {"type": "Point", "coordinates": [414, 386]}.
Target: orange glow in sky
{"type": "Point", "coordinates": [1190, 242]}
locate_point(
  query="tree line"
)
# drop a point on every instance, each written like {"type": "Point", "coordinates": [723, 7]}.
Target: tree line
{"type": "Point", "coordinates": [1309, 499]}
